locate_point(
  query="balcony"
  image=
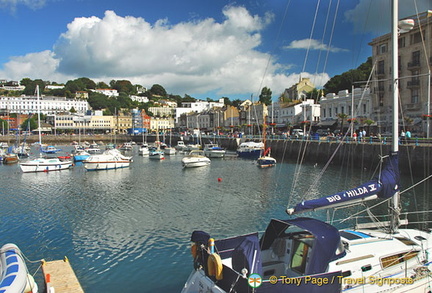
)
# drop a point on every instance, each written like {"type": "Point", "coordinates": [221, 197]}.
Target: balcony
{"type": "Point", "coordinates": [413, 83]}
{"type": "Point", "coordinates": [415, 106]}
{"type": "Point", "coordinates": [414, 64]}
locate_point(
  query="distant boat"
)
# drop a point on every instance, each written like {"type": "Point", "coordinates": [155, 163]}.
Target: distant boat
{"type": "Point", "coordinates": [109, 159]}
{"type": "Point", "coordinates": [43, 164]}
{"type": "Point", "coordinates": [250, 149]}
{"type": "Point", "coordinates": [180, 147]}
{"type": "Point", "coordinates": [80, 156]}
{"type": "Point", "coordinates": [10, 158]}
{"type": "Point", "coordinates": [195, 158]}
{"type": "Point", "coordinates": [265, 160]}
{"type": "Point", "coordinates": [213, 150]}
{"type": "Point", "coordinates": [156, 153]}
{"type": "Point", "coordinates": [144, 150]}
{"type": "Point", "coordinates": [50, 149]}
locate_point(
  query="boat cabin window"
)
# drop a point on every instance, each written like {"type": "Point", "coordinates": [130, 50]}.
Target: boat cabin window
{"type": "Point", "coordinates": [397, 259]}
{"type": "Point", "coordinates": [299, 256]}
{"type": "Point", "coordinates": [302, 243]}
{"type": "Point", "coordinates": [406, 241]}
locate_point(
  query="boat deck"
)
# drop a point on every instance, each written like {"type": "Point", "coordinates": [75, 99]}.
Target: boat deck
{"type": "Point", "coordinates": [59, 275]}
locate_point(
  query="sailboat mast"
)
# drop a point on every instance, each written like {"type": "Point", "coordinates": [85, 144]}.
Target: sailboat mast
{"type": "Point", "coordinates": [395, 204]}
{"type": "Point", "coordinates": [39, 109]}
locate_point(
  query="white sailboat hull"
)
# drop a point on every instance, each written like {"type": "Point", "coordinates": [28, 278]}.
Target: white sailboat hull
{"type": "Point", "coordinates": [45, 165]}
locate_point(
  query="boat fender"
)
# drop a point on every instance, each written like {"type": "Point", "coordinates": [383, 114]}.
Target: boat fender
{"type": "Point", "coordinates": [31, 285]}
{"type": "Point", "coordinates": [214, 266]}
{"type": "Point", "coordinates": [194, 250]}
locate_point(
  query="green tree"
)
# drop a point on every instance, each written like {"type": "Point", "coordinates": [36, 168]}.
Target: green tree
{"type": "Point", "coordinates": [158, 90]}
{"type": "Point", "coordinates": [266, 96]}
{"type": "Point", "coordinates": [342, 117]}
{"type": "Point", "coordinates": [29, 124]}
{"type": "Point", "coordinates": [124, 86]}
{"type": "Point", "coordinates": [347, 79]}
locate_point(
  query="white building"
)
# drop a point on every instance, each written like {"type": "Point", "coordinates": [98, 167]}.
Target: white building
{"type": "Point", "coordinates": [48, 105]}
{"type": "Point", "coordinates": [197, 107]}
{"type": "Point", "coordinates": [107, 92]}
{"type": "Point", "coordinates": [358, 105]}
{"type": "Point", "coordinates": [139, 99]}
{"type": "Point", "coordinates": [294, 114]}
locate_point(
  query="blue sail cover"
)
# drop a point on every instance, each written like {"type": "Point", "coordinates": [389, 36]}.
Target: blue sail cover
{"type": "Point", "coordinates": [384, 186]}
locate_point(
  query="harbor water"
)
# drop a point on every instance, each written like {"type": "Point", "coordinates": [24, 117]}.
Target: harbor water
{"type": "Point", "coordinates": [128, 230]}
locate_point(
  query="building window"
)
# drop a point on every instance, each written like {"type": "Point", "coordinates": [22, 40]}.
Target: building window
{"type": "Point", "coordinates": [381, 67]}
{"type": "Point", "coordinates": [415, 38]}
{"type": "Point", "coordinates": [382, 49]}
{"type": "Point", "coordinates": [401, 42]}
{"type": "Point", "coordinates": [381, 100]}
{"type": "Point", "coordinates": [414, 96]}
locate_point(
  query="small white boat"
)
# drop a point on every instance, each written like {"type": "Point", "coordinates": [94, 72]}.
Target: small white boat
{"type": "Point", "coordinates": [193, 147]}
{"type": "Point", "coordinates": [181, 147]}
{"type": "Point", "coordinates": [212, 150]}
{"type": "Point", "coordinates": [169, 151]}
{"type": "Point", "coordinates": [144, 150]}
{"type": "Point", "coordinates": [266, 161]}
{"type": "Point", "coordinates": [156, 154]}
{"type": "Point", "coordinates": [195, 158]}
{"type": "Point", "coordinates": [127, 146]}
{"type": "Point", "coordinates": [14, 276]}
{"type": "Point", "coordinates": [110, 159]}
{"type": "Point", "coordinates": [45, 165]}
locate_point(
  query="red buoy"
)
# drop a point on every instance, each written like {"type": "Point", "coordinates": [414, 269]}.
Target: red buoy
{"type": "Point", "coordinates": [219, 179]}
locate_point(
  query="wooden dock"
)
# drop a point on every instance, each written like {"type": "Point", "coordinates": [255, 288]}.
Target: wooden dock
{"type": "Point", "coordinates": [59, 275]}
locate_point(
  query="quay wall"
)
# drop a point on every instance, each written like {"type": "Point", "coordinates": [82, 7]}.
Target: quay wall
{"type": "Point", "coordinates": [414, 157]}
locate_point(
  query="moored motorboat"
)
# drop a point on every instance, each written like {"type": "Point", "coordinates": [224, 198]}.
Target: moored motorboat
{"type": "Point", "coordinates": [213, 150]}
{"type": "Point", "coordinates": [10, 158]}
{"type": "Point", "coordinates": [195, 158]}
{"type": "Point", "coordinates": [250, 149]}
{"type": "Point", "coordinates": [266, 161]}
{"type": "Point", "coordinates": [50, 149]}
{"type": "Point", "coordinates": [109, 159]}
{"type": "Point", "coordinates": [80, 156]}
{"type": "Point", "coordinates": [14, 276]}
{"type": "Point", "coordinates": [144, 150]}
{"type": "Point", "coordinates": [156, 153]}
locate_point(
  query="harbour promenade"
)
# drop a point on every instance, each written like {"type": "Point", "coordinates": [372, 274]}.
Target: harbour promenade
{"type": "Point", "coordinates": [415, 154]}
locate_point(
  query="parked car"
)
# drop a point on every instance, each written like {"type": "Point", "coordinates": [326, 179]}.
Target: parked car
{"type": "Point", "coordinates": [297, 133]}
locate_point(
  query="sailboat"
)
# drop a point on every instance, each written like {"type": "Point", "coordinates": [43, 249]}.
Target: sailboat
{"type": "Point", "coordinates": [266, 160]}
{"type": "Point", "coordinates": [155, 152]}
{"type": "Point", "coordinates": [42, 164]}
{"type": "Point", "coordinates": [303, 254]}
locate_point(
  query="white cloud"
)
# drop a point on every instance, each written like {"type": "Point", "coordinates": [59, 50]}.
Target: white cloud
{"type": "Point", "coordinates": [313, 45]}
{"type": "Point", "coordinates": [186, 58]}
{"type": "Point", "coordinates": [374, 16]}
{"type": "Point", "coordinates": [13, 4]}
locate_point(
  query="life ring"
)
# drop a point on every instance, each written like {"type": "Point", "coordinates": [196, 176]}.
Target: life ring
{"type": "Point", "coordinates": [194, 250]}
{"type": "Point", "coordinates": [214, 265]}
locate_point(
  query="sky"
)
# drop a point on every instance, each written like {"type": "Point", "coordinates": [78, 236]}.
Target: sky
{"type": "Point", "coordinates": [205, 49]}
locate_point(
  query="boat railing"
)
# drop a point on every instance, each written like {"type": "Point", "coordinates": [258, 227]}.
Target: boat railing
{"type": "Point", "coordinates": [407, 219]}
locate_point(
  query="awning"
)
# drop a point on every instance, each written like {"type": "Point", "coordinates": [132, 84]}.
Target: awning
{"type": "Point", "coordinates": [327, 123]}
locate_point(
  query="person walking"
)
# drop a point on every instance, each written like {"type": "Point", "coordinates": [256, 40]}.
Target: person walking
{"type": "Point", "coordinates": [402, 137]}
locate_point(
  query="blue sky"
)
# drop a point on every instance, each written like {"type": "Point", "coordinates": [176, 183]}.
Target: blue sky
{"type": "Point", "coordinates": [210, 48]}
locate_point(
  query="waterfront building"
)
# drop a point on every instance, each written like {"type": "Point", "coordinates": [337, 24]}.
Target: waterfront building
{"type": "Point", "coordinates": [299, 90]}
{"type": "Point", "coordinates": [294, 113]}
{"type": "Point", "coordinates": [414, 71]}
{"type": "Point", "coordinates": [107, 92]}
{"type": "Point", "coordinates": [48, 105]}
{"type": "Point", "coordinates": [357, 105]}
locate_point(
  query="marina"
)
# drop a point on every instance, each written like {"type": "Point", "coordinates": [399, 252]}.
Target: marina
{"type": "Point", "coordinates": [129, 229]}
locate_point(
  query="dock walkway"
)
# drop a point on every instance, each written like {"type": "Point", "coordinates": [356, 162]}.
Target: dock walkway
{"type": "Point", "coordinates": [60, 276]}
